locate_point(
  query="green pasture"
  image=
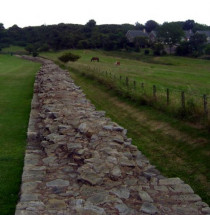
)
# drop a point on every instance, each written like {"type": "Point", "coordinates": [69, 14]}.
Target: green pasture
{"type": "Point", "coordinates": [171, 74]}
{"type": "Point", "coordinates": [190, 75]}
{"type": "Point", "coordinates": [13, 49]}
{"type": "Point", "coordinates": [16, 90]}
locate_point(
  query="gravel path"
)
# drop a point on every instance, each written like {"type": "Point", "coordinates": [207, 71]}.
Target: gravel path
{"type": "Point", "coordinates": [78, 161]}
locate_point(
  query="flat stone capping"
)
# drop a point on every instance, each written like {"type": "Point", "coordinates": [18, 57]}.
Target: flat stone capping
{"type": "Point", "coordinates": [78, 161]}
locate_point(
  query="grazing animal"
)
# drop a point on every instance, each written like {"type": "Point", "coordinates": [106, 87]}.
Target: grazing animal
{"type": "Point", "coordinates": [94, 58]}
{"type": "Point", "coordinates": [117, 63]}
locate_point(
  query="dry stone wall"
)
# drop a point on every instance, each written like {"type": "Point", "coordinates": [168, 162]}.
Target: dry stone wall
{"type": "Point", "coordinates": [78, 161]}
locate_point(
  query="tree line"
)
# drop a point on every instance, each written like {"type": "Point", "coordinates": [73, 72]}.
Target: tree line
{"type": "Point", "coordinates": [90, 35]}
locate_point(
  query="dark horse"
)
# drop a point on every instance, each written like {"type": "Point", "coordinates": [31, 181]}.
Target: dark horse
{"type": "Point", "coordinates": [94, 58]}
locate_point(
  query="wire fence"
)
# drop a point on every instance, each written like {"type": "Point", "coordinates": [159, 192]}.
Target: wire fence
{"type": "Point", "coordinates": [194, 106]}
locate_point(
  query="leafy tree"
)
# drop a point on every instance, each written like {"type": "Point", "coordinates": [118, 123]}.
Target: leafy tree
{"type": "Point", "coordinates": [207, 49]}
{"type": "Point", "coordinates": [84, 44]}
{"type": "Point", "coordinates": [198, 39]}
{"type": "Point", "coordinates": [197, 42]}
{"type": "Point", "coordinates": [35, 53]}
{"type": "Point", "coordinates": [184, 49]}
{"type": "Point", "coordinates": [151, 25]}
{"type": "Point", "coordinates": [138, 26]}
{"type": "Point", "coordinates": [146, 51]}
{"type": "Point", "coordinates": [141, 42]}
{"type": "Point", "coordinates": [188, 24]}
{"type": "Point", "coordinates": [200, 27]}
{"type": "Point", "coordinates": [2, 27]}
{"type": "Point", "coordinates": [30, 48]}
{"type": "Point", "coordinates": [158, 49]}
{"type": "Point", "coordinates": [194, 47]}
{"type": "Point", "coordinates": [44, 48]}
{"type": "Point", "coordinates": [3, 38]}
{"type": "Point", "coordinates": [170, 33]}
{"type": "Point", "coordinates": [91, 23]}
{"type": "Point", "coordinates": [65, 36]}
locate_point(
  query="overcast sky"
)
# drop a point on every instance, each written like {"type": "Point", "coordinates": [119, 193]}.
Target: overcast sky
{"type": "Point", "coordinates": [39, 12]}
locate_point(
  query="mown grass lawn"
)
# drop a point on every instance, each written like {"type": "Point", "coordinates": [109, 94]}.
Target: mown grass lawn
{"type": "Point", "coordinates": [16, 90]}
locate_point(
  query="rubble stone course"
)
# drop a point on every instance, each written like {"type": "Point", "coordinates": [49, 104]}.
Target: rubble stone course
{"type": "Point", "coordinates": [78, 161]}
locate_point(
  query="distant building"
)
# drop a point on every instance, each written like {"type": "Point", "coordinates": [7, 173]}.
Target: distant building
{"type": "Point", "coordinates": [187, 35]}
{"type": "Point", "coordinates": [132, 34]}
{"type": "Point", "coordinates": [207, 33]}
{"type": "Point", "coordinates": [153, 36]}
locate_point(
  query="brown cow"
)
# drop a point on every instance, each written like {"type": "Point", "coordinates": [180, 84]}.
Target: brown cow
{"type": "Point", "coordinates": [117, 63]}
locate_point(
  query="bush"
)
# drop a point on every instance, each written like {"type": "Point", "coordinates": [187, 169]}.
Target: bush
{"type": "Point", "coordinates": [137, 49]}
{"type": "Point", "coordinates": [29, 48]}
{"type": "Point", "coordinates": [184, 49]}
{"type": "Point", "coordinates": [207, 50]}
{"type": "Point", "coordinates": [44, 48]}
{"type": "Point", "coordinates": [35, 54]}
{"type": "Point", "coordinates": [146, 51]}
{"type": "Point", "coordinates": [68, 57]}
{"type": "Point", "coordinates": [158, 49]}
{"type": "Point", "coordinates": [163, 53]}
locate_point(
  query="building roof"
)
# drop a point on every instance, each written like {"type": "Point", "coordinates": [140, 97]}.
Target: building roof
{"type": "Point", "coordinates": [137, 33]}
{"type": "Point", "coordinates": [131, 34]}
{"type": "Point", "coordinates": [207, 33]}
{"type": "Point", "coordinates": [154, 33]}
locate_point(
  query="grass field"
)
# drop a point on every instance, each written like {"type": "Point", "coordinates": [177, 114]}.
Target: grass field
{"type": "Point", "coordinates": [177, 148]}
{"type": "Point", "coordinates": [191, 75]}
{"type": "Point", "coordinates": [16, 88]}
{"type": "Point", "coordinates": [13, 49]}
{"type": "Point", "coordinates": [176, 74]}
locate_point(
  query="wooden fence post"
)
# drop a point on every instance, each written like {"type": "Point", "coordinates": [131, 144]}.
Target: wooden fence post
{"type": "Point", "coordinates": [154, 92]}
{"type": "Point", "coordinates": [167, 95]}
{"type": "Point", "coordinates": [142, 86]}
{"type": "Point", "coordinates": [134, 85]}
{"type": "Point", "coordinates": [126, 81]}
{"type": "Point", "coordinates": [205, 106]}
{"type": "Point", "coordinates": [183, 99]}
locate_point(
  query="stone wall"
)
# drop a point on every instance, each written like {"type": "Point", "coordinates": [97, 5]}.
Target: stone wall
{"type": "Point", "coordinates": [78, 161]}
